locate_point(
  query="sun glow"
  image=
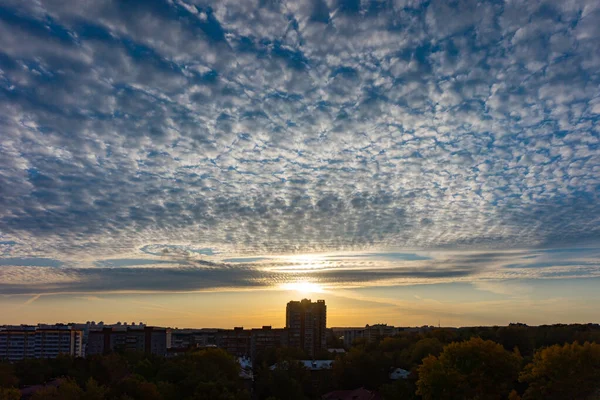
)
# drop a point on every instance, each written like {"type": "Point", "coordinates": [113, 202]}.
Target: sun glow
{"type": "Point", "coordinates": [303, 287]}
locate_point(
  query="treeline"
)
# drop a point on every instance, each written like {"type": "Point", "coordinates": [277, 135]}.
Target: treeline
{"type": "Point", "coordinates": [556, 362]}
{"type": "Point", "coordinates": [206, 374]}
{"type": "Point", "coordinates": [512, 362]}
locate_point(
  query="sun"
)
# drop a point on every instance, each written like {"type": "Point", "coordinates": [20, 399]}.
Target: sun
{"type": "Point", "coordinates": [303, 287]}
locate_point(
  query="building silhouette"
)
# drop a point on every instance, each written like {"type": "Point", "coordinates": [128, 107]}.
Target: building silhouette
{"type": "Point", "coordinates": [370, 333]}
{"type": "Point", "coordinates": [266, 338]}
{"type": "Point", "coordinates": [39, 341]}
{"type": "Point", "coordinates": [242, 342]}
{"type": "Point", "coordinates": [235, 341]}
{"type": "Point", "coordinates": [307, 325]}
{"type": "Point", "coordinates": [145, 339]}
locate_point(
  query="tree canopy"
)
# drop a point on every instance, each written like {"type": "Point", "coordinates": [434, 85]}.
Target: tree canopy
{"type": "Point", "coordinates": [475, 369]}
{"type": "Point", "coordinates": [570, 371]}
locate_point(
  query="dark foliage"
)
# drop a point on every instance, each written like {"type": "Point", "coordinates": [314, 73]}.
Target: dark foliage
{"type": "Point", "coordinates": [511, 362]}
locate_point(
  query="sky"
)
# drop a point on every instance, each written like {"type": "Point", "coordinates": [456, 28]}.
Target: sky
{"type": "Point", "coordinates": [199, 164]}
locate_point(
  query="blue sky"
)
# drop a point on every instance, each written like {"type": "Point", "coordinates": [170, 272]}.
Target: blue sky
{"type": "Point", "coordinates": [180, 147]}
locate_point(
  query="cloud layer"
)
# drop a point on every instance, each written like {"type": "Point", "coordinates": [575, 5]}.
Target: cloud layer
{"type": "Point", "coordinates": [191, 273]}
{"type": "Point", "coordinates": [253, 128]}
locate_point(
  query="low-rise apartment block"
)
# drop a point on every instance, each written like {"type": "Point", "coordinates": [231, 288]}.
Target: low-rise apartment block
{"type": "Point", "coordinates": [146, 339]}
{"type": "Point", "coordinates": [39, 341]}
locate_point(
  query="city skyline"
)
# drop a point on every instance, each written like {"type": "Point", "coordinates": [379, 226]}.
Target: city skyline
{"type": "Point", "coordinates": [199, 163]}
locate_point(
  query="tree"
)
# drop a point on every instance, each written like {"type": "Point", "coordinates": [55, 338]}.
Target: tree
{"type": "Point", "coordinates": [571, 371]}
{"type": "Point", "coordinates": [401, 389]}
{"type": "Point", "coordinates": [289, 380]}
{"type": "Point", "coordinates": [10, 394]}
{"type": "Point", "coordinates": [137, 388]}
{"type": "Point", "coordinates": [360, 367]}
{"type": "Point", "coordinates": [475, 369]}
{"type": "Point", "coordinates": [67, 390]}
{"type": "Point", "coordinates": [424, 348]}
{"type": "Point", "coordinates": [94, 391]}
{"type": "Point", "coordinates": [516, 336]}
{"type": "Point", "coordinates": [7, 376]}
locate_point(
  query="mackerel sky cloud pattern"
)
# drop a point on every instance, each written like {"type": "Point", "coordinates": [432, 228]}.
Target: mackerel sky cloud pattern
{"type": "Point", "coordinates": [200, 133]}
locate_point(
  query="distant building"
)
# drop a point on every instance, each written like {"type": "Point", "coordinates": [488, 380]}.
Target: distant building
{"type": "Point", "coordinates": [190, 338]}
{"type": "Point", "coordinates": [370, 333]}
{"type": "Point", "coordinates": [127, 338]}
{"type": "Point", "coordinates": [242, 342]}
{"type": "Point", "coordinates": [349, 335]}
{"type": "Point", "coordinates": [374, 333]}
{"type": "Point", "coordinates": [39, 341]}
{"type": "Point", "coordinates": [307, 324]}
{"type": "Point", "coordinates": [235, 341]}
{"type": "Point", "coordinates": [267, 338]}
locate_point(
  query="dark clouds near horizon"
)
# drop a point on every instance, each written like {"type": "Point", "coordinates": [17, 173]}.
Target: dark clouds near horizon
{"type": "Point", "coordinates": [272, 127]}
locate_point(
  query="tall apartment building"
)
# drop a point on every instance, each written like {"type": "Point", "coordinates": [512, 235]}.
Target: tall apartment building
{"type": "Point", "coordinates": [146, 339]}
{"type": "Point", "coordinates": [307, 324]}
{"type": "Point", "coordinates": [41, 341]}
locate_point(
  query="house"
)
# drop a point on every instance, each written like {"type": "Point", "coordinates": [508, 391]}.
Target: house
{"type": "Point", "coordinates": [399, 373]}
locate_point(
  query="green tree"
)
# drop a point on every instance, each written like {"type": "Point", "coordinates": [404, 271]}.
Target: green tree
{"type": "Point", "coordinates": [475, 369]}
{"type": "Point", "coordinates": [198, 374]}
{"type": "Point", "coordinates": [571, 371]}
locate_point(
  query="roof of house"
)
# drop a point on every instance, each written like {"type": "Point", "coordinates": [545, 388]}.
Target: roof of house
{"type": "Point", "coordinates": [399, 373]}
{"type": "Point", "coordinates": [246, 371]}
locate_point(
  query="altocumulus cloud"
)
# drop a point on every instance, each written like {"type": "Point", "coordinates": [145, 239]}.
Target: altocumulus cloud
{"type": "Point", "coordinates": [181, 129]}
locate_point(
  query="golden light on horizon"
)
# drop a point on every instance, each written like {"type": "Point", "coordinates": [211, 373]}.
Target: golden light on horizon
{"type": "Point", "coordinates": [303, 287]}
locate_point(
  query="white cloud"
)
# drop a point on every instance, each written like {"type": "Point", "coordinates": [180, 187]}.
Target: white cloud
{"type": "Point", "coordinates": [269, 130]}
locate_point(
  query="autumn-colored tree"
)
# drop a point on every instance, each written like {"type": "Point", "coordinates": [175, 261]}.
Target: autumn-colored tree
{"type": "Point", "coordinates": [94, 391]}
{"type": "Point", "coordinates": [10, 394]}
{"type": "Point", "coordinates": [571, 371]}
{"type": "Point", "coordinates": [424, 348]}
{"type": "Point", "coordinates": [67, 390]}
{"type": "Point", "coordinates": [475, 369]}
